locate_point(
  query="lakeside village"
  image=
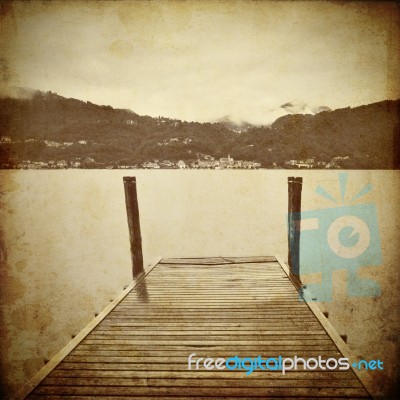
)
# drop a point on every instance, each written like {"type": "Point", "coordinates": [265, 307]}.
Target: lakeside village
{"type": "Point", "coordinates": [204, 161]}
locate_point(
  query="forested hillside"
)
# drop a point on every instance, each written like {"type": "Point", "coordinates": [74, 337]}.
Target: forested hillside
{"type": "Point", "coordinates": [45, 127]}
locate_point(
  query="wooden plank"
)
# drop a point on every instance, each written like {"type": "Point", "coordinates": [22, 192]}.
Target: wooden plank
{"type": "Point", "coordinates": [257, 321]}
{"type": "Point", "coordinates": [209, 333]}
{"type": "Point", "coordinates": [267, 301]}
{"type": "Point", "coordinates": [204, 338]}
{"type": "Point", "coordinates": [105, 397]}
{"type": "Point", "coordinates": [202, 318]}
{"type": "Point", "coordinates": [226, 347]}
{"type": "Point", "coordinates": [223, 261]}
{"type": "Point", "coordinates": [270, 283]}
{"type": "Point", "coordinates": [212, 278]}
{"type": "Point", "coordinates": [192, 339]}
{"type": "Point", "coordinates": [181, 371]}
{"type": "Point", "coordinates": [289, 323]}
{"type": "Point", "coordinates": [292, 321]}
{"type": "Point", "coordinates": [135, 309]}
{"type": "Point", "coordinates": [212, 311]}
{"type": "Point", "coordinates": [277, 283]}
{"type": "Point", "coordinates": [214, 297]}
{"type": "Point", "coordinates": [215, 282]}
{"type": "Point", "coordinates": [200, 342]}
{"type": "Point", "coordinates": [233, 300]}
{"type": "Point", "coordinates": [271, 307]}
{"type": "Point", "coordinates": [269, 266]}
{"type": "Point", "coordinates": [204, 352]}
{"type": "Point", "coordinates": [208, 273]}
{"type": "Point", "coordinates": [289, 329]}
{"type": "Point", "coordinates": [194, 261]}
{"type": "Point", "coordinates": [264, 270]}
{"type": "Point", "coordinates": [200, 391]}
{"type": "Point", "coordinates": [259, 259]}
{"type": "Point", "coordinates": [219, 291]}
{"type": "Point", "coordinates": [184, 302]}
{"type": "Point", "coordinates": [263, 302]}
{"type": "Point", "coordinates": [212, 314]}
{"type": "Point", "coordinates": [232, 273]}
{"type": "Point", "coordinates": [188, 327]}
{"type": "Point", "coordinates": [215, 379]}
{"type": "Point", "coordinates": [247, 276]}
{"type": "Point", "coordinates": [194, 284]}
{"type": "Point", "coordinates": [219, 272]}
{"type": "Point", "coordinates": [75, 370]}
{"type": "Point", "coordinates": [175, 354]}
{"type": "Point", "coordinates": [210, 348]}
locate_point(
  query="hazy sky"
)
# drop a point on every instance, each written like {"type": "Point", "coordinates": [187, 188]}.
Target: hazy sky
{"type": "Point", "coordinates": [203, 60]}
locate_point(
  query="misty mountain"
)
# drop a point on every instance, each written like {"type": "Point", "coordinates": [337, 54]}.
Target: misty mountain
{"type": "Point", "coordinates": [233, 126]}
{"type": "Point", "coordinates": [43, 126]}
{"type": "Point", "coordinates": [297, 107]}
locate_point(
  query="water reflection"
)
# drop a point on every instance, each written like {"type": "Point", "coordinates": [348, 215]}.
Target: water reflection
{"type": "Point", "coordinates": [141, 292]}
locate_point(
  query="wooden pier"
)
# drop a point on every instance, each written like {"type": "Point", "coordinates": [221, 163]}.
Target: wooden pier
{"type": "Point", "coordinates": [214, 307]}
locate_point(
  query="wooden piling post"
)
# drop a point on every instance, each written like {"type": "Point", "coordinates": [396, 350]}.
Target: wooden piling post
{"type": "Point", "coordinates": [132, 210]}
{"type": "Point", "coordinates": [294, 218]}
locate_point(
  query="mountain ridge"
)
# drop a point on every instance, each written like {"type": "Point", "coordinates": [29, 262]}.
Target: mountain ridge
{"type": "Point", "coordinates": [367, 135]}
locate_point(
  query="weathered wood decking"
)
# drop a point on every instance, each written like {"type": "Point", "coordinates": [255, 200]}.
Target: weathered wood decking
{"type": "Point", "coordinates": [215, 307]}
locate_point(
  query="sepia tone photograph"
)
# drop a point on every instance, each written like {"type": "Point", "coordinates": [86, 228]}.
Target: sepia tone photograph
{"type": "Point", "coordinates": [199, 199]}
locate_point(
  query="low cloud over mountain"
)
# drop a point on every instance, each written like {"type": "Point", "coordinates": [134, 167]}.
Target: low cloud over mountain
{"type": "Point", "coordinates": [298, 107]}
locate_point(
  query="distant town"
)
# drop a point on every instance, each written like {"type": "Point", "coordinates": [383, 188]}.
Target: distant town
{"type": "Point", "coordinates": [204, 161]}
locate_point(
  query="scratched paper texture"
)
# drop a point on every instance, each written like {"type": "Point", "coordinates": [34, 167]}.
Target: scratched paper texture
{"type": "Point", "coordinates": [64, 237]}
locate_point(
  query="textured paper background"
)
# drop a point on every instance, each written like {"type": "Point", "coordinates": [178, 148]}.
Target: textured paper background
{"type": "Point", "coordinates": [64, 239]}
